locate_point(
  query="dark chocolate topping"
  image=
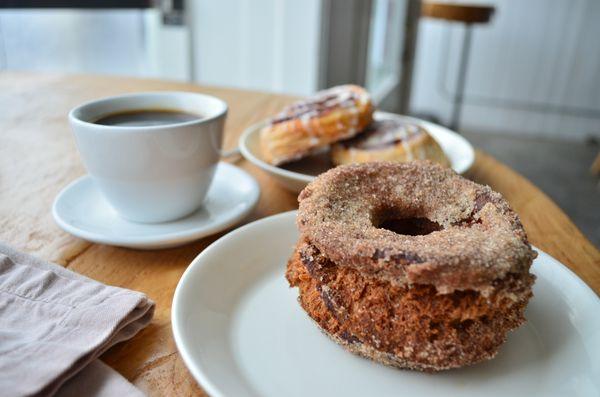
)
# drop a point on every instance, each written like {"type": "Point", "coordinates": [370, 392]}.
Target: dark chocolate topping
{"type": "Point", "coordinates": [384, 133]}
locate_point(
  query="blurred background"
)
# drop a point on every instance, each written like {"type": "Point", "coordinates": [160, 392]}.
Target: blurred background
{"type": "Point", "coordinates": [519, 79]}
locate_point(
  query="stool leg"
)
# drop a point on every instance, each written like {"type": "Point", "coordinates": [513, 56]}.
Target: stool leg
{"type": "Point", "coordinates": [461, 79]}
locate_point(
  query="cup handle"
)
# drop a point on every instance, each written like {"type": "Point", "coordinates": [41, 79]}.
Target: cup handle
{"type": "Point", "coordinates": [230, 154]}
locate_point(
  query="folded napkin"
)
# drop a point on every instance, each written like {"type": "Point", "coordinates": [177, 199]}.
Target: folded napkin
{"type": "Point", "coordinates": [55, 323]}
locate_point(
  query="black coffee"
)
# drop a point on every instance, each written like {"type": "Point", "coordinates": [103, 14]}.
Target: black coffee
{"type": "Point", "coordinates": [146, 117]}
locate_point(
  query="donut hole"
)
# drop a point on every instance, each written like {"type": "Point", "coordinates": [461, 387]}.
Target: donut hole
{"type": "Point", "coordinates": [410, 226]}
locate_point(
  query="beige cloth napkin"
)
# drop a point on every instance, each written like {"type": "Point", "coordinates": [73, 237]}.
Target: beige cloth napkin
{"type": "Point", "coordinates": [55, 323]}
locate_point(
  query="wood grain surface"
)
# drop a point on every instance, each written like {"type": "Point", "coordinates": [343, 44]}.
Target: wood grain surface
{"type": "Point", "coordinates": [38, 158]}
{"type": "Point", "coordinates": [466, 13]}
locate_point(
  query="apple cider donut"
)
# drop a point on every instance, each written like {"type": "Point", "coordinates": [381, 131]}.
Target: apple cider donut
{"type": "Point", "coordinates": [309, 125]}
{"type": "Point", "coordinates": [389, 140]}
{"type": "Point", "coordinates": [410, 264]}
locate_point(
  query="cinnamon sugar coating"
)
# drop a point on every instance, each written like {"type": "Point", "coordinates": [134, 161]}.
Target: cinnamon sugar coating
{"type": "Point", "coordinates": [410, 264]}
{"type": "Point", "coordinates": [477, 237]}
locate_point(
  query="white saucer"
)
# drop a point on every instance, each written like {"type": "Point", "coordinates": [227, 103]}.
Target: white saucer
{"type": "Point", "coordinates": [296, 175]}
{"type": "Point", "coordinates": [241, 332]}
{"type": "Point", "coordinates": [81, 210]}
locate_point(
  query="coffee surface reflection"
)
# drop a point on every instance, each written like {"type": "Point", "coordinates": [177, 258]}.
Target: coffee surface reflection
{"type": "Point", "coordinates": [146, 118]}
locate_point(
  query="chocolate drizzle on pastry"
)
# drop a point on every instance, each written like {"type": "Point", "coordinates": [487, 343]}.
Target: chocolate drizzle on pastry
{"type": "Point", "coordinates": [389, 139]}
{"type": "Point", "coordinates": [311, 125]}
{"type": "Point", "coordinates": [319, 105]}
{"type": "Point", "coordinates": [384, 133]}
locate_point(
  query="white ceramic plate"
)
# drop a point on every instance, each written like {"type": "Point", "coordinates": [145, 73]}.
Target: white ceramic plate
{"type": "Point", "coordinates": [296, 175]}
{"type": "Point", "coordinates": [81, 210]}
{"type": "Point", "coordinates": [241, 332]}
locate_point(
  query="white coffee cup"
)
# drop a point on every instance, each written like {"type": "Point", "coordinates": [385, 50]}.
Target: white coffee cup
{"type": "Point", "coordinates": [152, 173]}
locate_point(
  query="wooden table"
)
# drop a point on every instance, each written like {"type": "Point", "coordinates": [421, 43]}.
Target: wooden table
{"type": "Point", "coordinates": [38, 157]}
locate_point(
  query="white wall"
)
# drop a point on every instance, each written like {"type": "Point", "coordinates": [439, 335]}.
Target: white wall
{"type": "Point", "coordinates": [534, 52]}
{"type": "Point", "coordinates": [73, 41]}
{"type": "Point", "coordinates": [119, 42]}
{"type": "Point", "coordinates": [270, 45]}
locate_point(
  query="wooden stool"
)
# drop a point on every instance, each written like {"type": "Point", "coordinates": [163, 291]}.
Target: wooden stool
{"type": "Point", "coordinates": [469, 15]}
{"type": "Point", "coordinates": [595, 168]}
